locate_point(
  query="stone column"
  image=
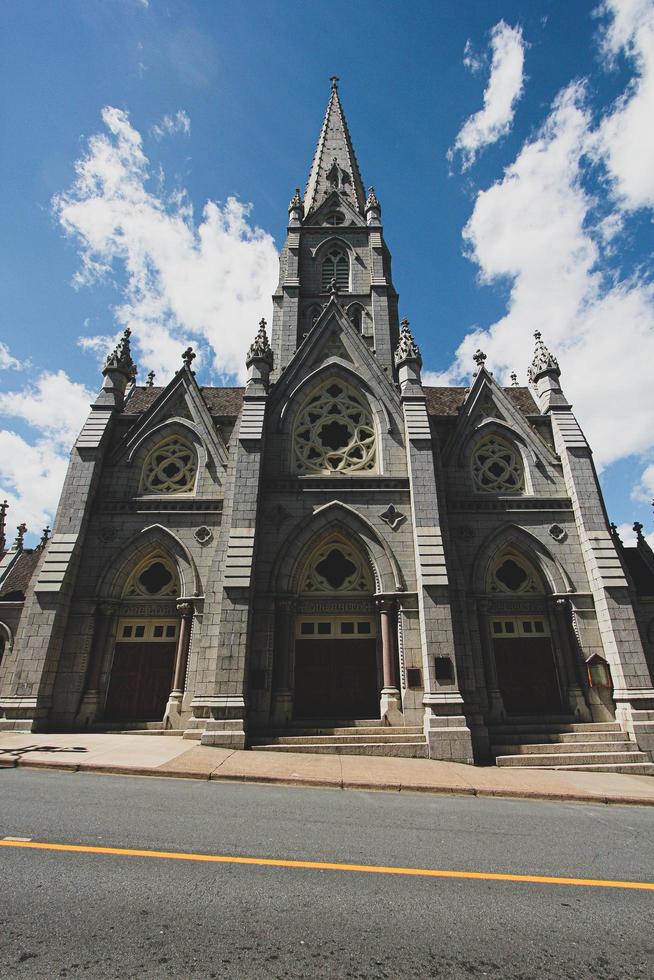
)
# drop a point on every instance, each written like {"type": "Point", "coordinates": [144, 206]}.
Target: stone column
{"type": "Point", "coordinates": [391, 701]}
{"type": "Point", "coordinates": [574, 694]}
{"type": "Point", "coordinates": [282, 698]}
{"type": "Point", "coordinates": [174, 706]}
{"type": "Point", "coordinates": [496, 712]}
{"type": "Point", "coordinates": [103, 636]}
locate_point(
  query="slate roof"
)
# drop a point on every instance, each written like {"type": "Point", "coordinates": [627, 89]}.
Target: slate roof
{"type": "Point", "coordinates": [227, 402]}
{"type": "Point", "coordinates": [448, 401]}
{"type": "Point", "coordinates": [21, 572]}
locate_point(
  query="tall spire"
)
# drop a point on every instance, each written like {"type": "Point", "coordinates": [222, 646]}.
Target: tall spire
{"type": "Point", "coordinates": [334, 166]}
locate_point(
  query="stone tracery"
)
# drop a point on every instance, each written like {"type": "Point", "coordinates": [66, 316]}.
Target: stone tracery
{"type": "Point", "coordinates": [334, 432]}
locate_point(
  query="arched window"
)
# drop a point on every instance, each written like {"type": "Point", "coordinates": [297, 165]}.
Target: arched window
{"type": "Point", "coordinates": [170, 467]}
{"type": "Point", "coordinates": [336, 266]}
{"type": "Point", "coordinates": [512, 573]}
{"type": "Point", "coordinates": [497, 467]}
{"type": "Point", "coordinates": [156, 576]}
{"type": "Point", "coordinates": [335, 566]}
{"type": "Point", "coordinates": [334, 432]}
{"type": "Point", "coordinates": [355, 314]}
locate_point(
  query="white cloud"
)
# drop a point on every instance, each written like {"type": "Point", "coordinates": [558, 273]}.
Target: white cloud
{"type": "Point", "coordinates": [540, 231]}
{"type": "Point", "coordinates": [6, 359]}
{"type": "Point", "coordinates": [628, 536]}
{"type": "Point", "coordinates": [55, 405]}
{"type": "Point", "coordinates": [183, 281]}
{"type": "Point", "coordinates": [32, 474]}
{"type": "Point", "coordinates": [505, 86]}
{"type": "Point", "coordinates": [169, 125]}
{"type": "Point", "coordinates": [625, 138]}
{"type": "Point", "coordinates": [644, 489]}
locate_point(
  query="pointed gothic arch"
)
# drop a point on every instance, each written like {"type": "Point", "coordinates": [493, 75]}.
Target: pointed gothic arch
{"type": "Point", "coordinates": [338, 518]}
{"type": "Point", "coordinates": [512, 538]}
{"type": "Point", "coordinates": [147, 542]}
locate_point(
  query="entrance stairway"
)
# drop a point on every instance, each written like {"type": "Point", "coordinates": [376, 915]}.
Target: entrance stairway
{"type": "Point", "coordinates": [568, 746]}
{"type": "Point", "coordinates": [346, 738]}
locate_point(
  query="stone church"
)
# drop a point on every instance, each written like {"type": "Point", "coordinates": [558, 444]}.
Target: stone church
{"type": "Point", "coordinates": [336, 557]}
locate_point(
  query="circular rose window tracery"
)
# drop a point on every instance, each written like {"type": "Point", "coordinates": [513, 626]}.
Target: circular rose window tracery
{"type": "Point", "coordinates": [497, 467]}
{"type": "Point", "coordinates": [334, 432]}
{"type": "Point", "coordinates": [170, 468]}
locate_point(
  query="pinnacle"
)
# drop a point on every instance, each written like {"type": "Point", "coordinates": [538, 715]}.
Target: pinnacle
{"type": "Point", "coordinates": [334, 166]}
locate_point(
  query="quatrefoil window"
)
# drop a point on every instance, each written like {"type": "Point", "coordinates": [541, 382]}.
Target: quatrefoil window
{"type": "Point", "coordinates": [170, 468]}
{"type": "Point", "coordinates": [334, 432]}
{"type": "Point", "coordinates": [497, 467]}
{"type": "Point", "coordinates": [336, 567]}
{"type": "Point", "coordinates": [156, 576]}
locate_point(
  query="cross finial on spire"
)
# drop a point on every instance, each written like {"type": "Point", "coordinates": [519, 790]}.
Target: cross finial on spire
{"type": "Point", "coordinates": [479, 357]}
{"type": "Point", "coordinates": [45, 537]}
{"type": "Point", "coordinates": [188, 357]}
{"type": "Point", "coordinates": [638, 528]}
{"type": "Point", "coordinates": [514, 379]}
{"type": "Point", "coordinates": [334, 80]}
{"type": "Point", "coordinates": [151, 377]}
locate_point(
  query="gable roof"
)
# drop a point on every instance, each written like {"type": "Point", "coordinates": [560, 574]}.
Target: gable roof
{"type": "Point", "coordinates": [224, 402]}
{"type": "Point", "coordinates": [448, 401]}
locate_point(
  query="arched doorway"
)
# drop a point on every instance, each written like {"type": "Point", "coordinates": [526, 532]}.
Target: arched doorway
{"type": "Point", "coordinates": [336, 660]}
{"type": "Point", "coordinates": [525, 665]}
{"type": "Point", "coordinates": [143, 661]}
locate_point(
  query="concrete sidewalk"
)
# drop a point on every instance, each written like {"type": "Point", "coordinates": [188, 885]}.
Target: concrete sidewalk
{"type": "Point", "coordinates": [171, 755]}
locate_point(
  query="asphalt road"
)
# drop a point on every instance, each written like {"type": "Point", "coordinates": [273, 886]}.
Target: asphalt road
{"type": "Point", "coordinates": [79, 915]}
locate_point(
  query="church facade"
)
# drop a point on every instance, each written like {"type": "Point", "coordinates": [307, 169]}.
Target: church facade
{"type": "Point", "coordinates": [336, 557]}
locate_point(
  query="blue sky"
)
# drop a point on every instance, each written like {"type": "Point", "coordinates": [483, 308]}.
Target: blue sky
{"type": "Point", "coordinates": [510, 145]}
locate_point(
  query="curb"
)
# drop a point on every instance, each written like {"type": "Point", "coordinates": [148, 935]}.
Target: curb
{"type": "Point", "coordinates": [111, 769]}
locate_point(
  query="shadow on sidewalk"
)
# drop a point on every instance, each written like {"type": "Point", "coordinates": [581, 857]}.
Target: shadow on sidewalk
{"type": "Point", "coordinates": [17, 751]}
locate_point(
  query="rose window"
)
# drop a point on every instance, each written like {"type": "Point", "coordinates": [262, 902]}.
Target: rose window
{"type": "Point", "coordinates": [334, 433]}
{"type": "Point", "coordinates": [497, 467]}
{"type": "Point", "coordinates": [170, 468]}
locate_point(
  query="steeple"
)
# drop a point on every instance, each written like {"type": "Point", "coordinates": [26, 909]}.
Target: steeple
{"type": "Point", "coordinates": [334, 166]}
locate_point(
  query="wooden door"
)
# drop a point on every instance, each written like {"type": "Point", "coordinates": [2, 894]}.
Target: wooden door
{"type": "Point", "coordinates": [141, 681]}
{"type": "Point", "coordinates": [336, 678]}
{"type": "Point", "coordinates": [526, 675]}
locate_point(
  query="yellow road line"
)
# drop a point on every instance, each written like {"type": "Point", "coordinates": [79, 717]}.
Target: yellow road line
{"type": "Point", "coordinates": [329, 865]}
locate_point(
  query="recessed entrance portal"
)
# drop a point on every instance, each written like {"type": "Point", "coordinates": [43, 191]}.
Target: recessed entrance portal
{"type": "Point", "coordinates": [142, 671]}
{"type": "Point", "coordinates": [336, 670]}
{"type": "Point", "coordinates": [526, 671]}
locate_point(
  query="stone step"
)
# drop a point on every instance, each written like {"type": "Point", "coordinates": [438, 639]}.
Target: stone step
{"type": "Point", "coordinates": [627, 768]}
{"type": "Point", "coordinates": [581, 759]}
{"type": "Point", "coordinates": [406, 750]}
{"type": "Point", "coordinates": [565, 748]}
{"type": "Point", "coordinates": [315, 723]}
{"type": "Point", "coordinates": [128, 727]}
{"type": "Point", "coordinates": [556, 738]}
{"type": "Point", "coordinates": [377, 737]}
{"type": "Point", "coordinates": [554, 728]}
{"type": "Point", "coordinates": [269, 734]}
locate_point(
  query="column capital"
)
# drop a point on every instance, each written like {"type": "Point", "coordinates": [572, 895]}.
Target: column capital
{"type": "Point", "coordinates": [105, 608]}
{"type": "Point", "coordinates": [185, 608]}
{"type": "Point", "coordinates": [386, 603]}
